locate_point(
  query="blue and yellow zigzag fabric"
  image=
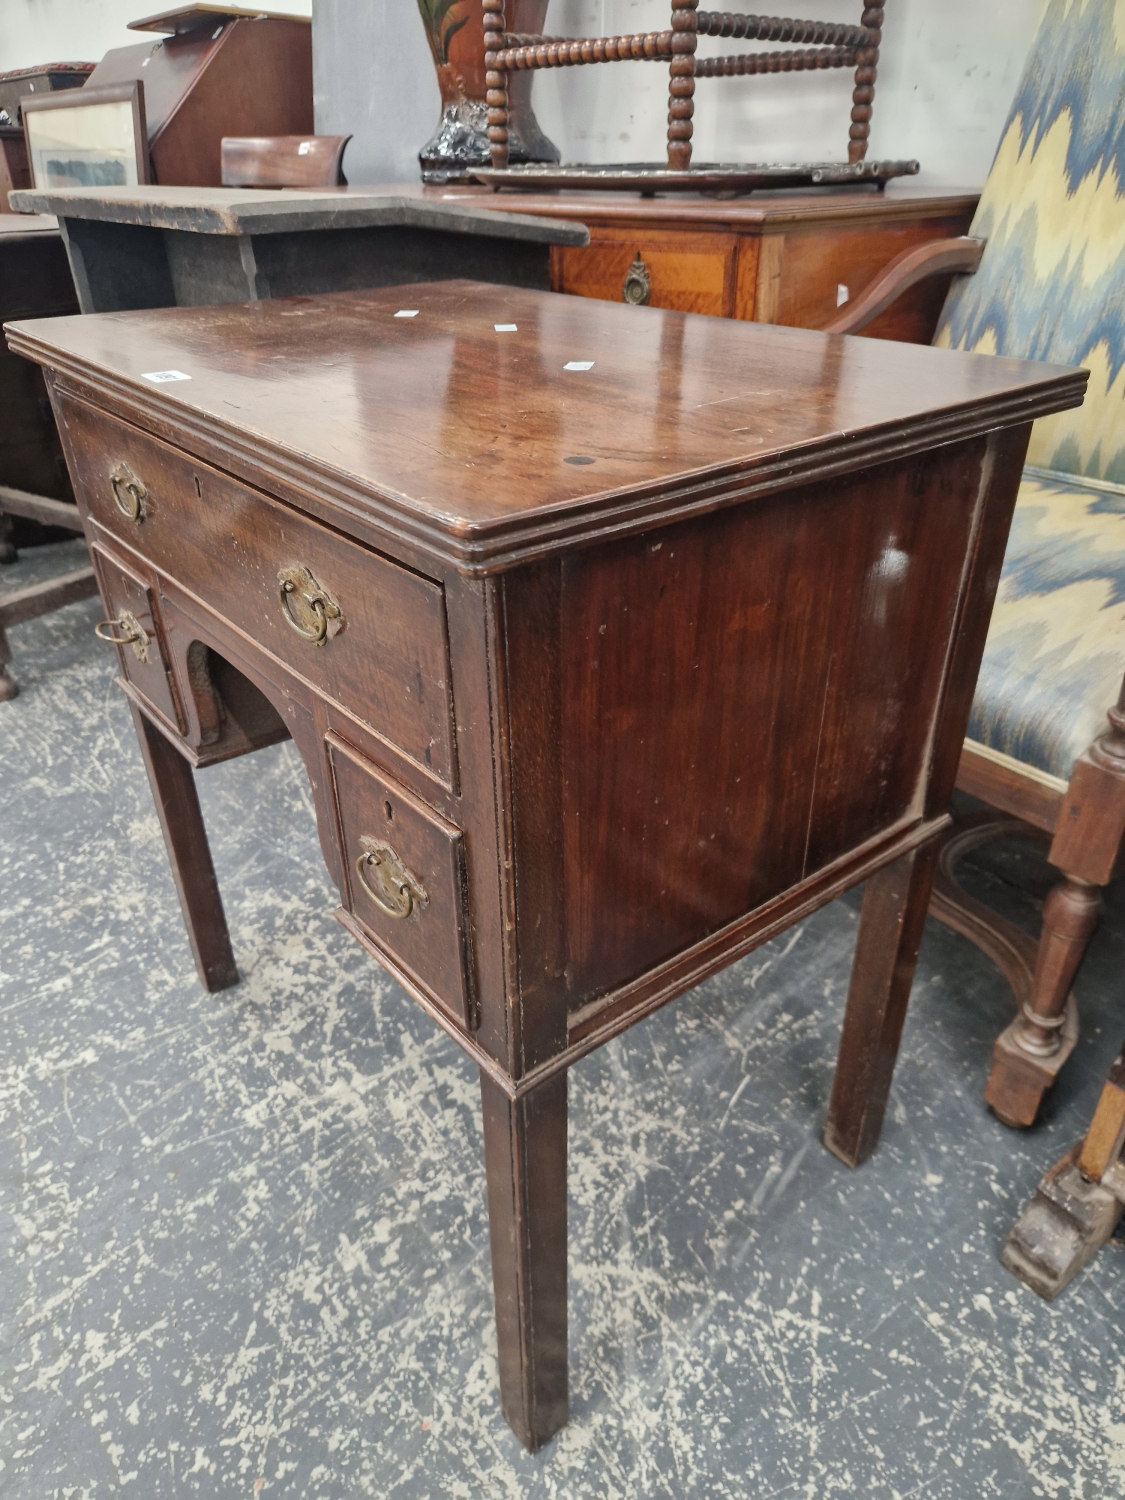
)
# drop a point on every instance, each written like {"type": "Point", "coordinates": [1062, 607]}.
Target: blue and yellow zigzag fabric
{"type": "Point", "coordinates": [1051, 286]}
{"type": "Point", "coordinates": [1056, 644]}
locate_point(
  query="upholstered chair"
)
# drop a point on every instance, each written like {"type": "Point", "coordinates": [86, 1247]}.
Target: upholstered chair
{"type": "Point", "coordinates": [1048, 248]}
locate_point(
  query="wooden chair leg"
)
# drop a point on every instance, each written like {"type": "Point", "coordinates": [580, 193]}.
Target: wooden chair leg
{"type": "Point", "coordinates": [1028, 1054]}
{"type": "Point", "coordinates": [681, 84]}
{"type": "Point", "coordinates": [1078, 1202]}
{"type": "Point", "coordinates": [1086, 846]}
{"type": "Point", "coordinates": [525, 1164]}
{"type": "Point", "coordinates": [890, 934]}
{"type": "Point", "coordinates": [177, 806]}
{"type": "Point", "coordinates": [495, 84]}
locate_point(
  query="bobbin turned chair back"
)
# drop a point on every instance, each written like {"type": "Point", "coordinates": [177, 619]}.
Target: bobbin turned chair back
{"type": "Point", "coordinates": [821, 44]}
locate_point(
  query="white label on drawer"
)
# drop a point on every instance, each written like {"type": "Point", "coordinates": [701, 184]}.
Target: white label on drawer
{"type": "Point", "coordinates": [407, 312]}
{"type": "Point", "coordinates": [506, 327]}
{"type": "Point", "coordinates": [158, 377]}
{"type": "Point", "coordinates": [842, 295]}
{"type": "Point", "coordinates": [579, 364]}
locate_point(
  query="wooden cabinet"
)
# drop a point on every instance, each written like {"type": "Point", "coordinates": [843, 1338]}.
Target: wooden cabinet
{"type": "Point", "coordinates": [689, 615]}
{"type": "Point", "coordinates": [685, 272]}
{"type": "Point", "coordinates": [789, 258]}
{"type": "Point", "coordinates": [238, 76]}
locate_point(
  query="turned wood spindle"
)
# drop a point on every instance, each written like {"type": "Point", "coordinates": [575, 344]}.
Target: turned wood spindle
{"type": "Point", "coordinates": [681, 84]}
{"type": "Point", "coordinates": [496, 83]}
{"type": "Point", "coordinates": [1070, 915]}
{"type": "Point", "coordinates": [863, 95]}
{"type": "Point", "coordinates": [1108, 750]}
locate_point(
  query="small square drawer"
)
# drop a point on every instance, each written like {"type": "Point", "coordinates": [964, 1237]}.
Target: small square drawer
{"type": "Point", "coordinates": [405, 868]}
{"type": "Point", "coordinates": [133, 626]}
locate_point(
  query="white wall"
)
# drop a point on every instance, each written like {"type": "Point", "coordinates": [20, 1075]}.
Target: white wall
{"type": "Point", "coordinates": [39, 31]}
{"type": "Point", "coordinates": [946, 79]}
{"type": "Point", "coordinates": [373, 78]}
{"type": "Point", "coordinates": [947, 75]}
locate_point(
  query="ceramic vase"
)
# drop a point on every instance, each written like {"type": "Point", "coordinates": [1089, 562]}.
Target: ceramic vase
{"type": "Point", "coordinates": [455, 31]}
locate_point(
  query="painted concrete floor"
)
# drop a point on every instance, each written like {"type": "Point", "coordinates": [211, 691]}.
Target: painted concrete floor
{"type": "Point", "coordinates": [244, 1236]}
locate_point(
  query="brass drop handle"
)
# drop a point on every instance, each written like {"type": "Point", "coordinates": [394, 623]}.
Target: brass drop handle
{"type": "Point", "coordinates": [129, 494]}
{"type": "Point", "coordinates": [308, 609]}
{"type": "Point", "coordinates": [132, 633]}
{"type": "Point", "coordinates": [396, 889]}
{"type": "Point", "coordinates": [637, 284]}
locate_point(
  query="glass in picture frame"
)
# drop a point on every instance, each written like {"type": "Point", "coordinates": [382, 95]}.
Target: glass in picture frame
{"type": "Point", "coordinates": [87, 137]}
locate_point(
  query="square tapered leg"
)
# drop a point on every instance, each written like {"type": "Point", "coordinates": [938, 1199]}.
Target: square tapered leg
{"type": "Point", "coordinates": [177, 806]}
{"type": "Point", "coordinates": [895, 902]}
{"type": "Point", "coordinates": [525, 1163]}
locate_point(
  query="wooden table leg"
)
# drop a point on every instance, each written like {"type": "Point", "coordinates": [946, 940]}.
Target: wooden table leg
{"type": "Point", "coordinates": [177, 806]}
{"type": "Point", "coordinates": [525, 1163]}
{"type": "Point", "coordinates": [886, 951]}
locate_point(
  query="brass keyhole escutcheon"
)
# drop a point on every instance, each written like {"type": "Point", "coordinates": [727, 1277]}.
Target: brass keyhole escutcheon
{"type": "Point", "coordinates": [129, 494]}
{"type": "Point", "coordinates": [309, 609]}
{"type": "Point", "coordinates": [637, 285]}
{"type": "Point", "coordinates": [126, 630]}
{"type": "Point", "coordinates": [392, 887]}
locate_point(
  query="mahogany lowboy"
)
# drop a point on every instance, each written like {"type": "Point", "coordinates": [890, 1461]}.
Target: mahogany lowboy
{"type": "Point", "coordinates": [602, 676]}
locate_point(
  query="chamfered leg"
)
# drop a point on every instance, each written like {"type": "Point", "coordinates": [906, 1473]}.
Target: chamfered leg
{"type": "Point", "coordinates": [886, 951]}
{"type": "Point", "coordinates": [177, 806]}
{"type": "Point", "coordinates": [525, 1164]}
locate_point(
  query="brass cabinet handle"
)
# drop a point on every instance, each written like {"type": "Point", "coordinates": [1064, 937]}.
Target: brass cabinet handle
{"type": "Point", "coordinates": [132, 634]}
{"type": "Point", "coordinates": [129, 494]}
{"type": "Point", "coordinates": [308, 609]}
{"type": "Point", "coordinates": [395, 890]}
{"type": "Point", "coordinates": [637, 285]}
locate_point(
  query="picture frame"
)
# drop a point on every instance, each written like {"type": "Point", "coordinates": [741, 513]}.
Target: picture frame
{"type": "Point", "coordinates": [87, 137]}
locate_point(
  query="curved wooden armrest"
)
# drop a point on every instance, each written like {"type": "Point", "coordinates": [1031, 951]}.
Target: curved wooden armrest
{"type": "Point", "coordinates": [937, 258]}
{"type": "Point", "coordinates": [274, 161]}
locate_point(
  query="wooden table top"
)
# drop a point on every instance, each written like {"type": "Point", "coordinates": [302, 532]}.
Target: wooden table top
{"type": "Point", "coordinates": [757, 212]}
{"type": "Point", "coordinates": [483, 447]}
{"type": "Point", "coordinates": [221, 210]}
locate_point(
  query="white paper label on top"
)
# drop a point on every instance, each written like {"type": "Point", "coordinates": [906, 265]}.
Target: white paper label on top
{"type": "Point", "coordinates": [407, 312]}
{"type": "Point", "coordinates": [506, 327]}
{"type": "Point", "coordinates": [158, 377]}
{"type": "Point", "coordinates": [579, 364]}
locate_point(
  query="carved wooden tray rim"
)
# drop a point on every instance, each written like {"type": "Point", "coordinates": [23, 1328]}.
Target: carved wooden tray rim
{"type": "Point", "coordinates": [720, 177]}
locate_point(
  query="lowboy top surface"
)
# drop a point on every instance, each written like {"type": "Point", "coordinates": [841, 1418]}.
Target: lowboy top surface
{"type": "Point", "coordinates": [422, 409]}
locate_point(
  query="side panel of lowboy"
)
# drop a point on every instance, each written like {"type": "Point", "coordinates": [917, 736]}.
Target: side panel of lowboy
{"type": "Point", "coordinates": [686, 782]}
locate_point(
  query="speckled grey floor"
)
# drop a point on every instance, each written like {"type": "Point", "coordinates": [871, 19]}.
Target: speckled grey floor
{"type": "Point", "coordinates": [244, 1236]}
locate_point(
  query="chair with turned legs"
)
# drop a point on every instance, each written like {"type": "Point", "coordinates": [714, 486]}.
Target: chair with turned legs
{"type": "Point", "coordinates": [1048, 255]}
{"type": "Point", "coordinates": [814, 45]}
